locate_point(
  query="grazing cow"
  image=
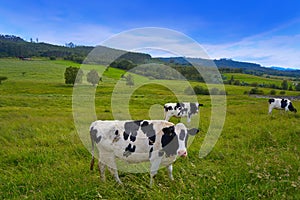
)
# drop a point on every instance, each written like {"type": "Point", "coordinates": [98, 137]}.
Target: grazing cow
{"type": "Point", "coordinates": [185, 109]}
{"type": "Point", "coordinates": [281, 104]}
{"type": "Point", "coordinates": [157, 141]}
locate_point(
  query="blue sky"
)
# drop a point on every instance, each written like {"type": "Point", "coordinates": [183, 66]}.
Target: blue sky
{"type": "Point", "coordinates": [265, 32]}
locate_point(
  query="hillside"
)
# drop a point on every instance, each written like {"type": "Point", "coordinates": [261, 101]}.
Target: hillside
{"type": "Point", "coordinates": [13, 46]}
{"type": "Point", "coordinates": [229, 65]}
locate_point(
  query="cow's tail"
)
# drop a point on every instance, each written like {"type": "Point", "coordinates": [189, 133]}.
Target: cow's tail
{"type": "Point", "coordinates": [93, 148]}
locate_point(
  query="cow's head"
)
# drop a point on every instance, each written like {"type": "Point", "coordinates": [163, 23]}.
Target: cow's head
{"type": "Point", "coordinates": [174, 139]}
{"type": "Point", "coordinates": [292, 108]}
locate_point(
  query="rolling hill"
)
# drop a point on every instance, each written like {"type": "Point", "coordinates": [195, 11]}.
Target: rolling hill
{"type": "Point", "coordinates": [13, 46]}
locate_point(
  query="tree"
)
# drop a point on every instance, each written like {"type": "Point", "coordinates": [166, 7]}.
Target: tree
{"type": "Point", "coordinates": [237, 82]}
{"type": "Point", "coordinates": [93, 77]}
{"type": "Point", "coordinates": [2, 78]}
{"type": "Point", "coordinates": [273, 92]}
{"type": "Point", "coordinates": [284, 85]}
{"type": "Point", "coordinates": [123, 64]}
{"type": "Point", "coordinates": [73, 75]}
{"type": "Point", "coordinates": [129, 80]}
{"type": "Point", "coordinates": [231, 80]}
{"type": "Point", "coordinates": [200, 90]}
{"type": "Point", "coordinates": [297, 87]}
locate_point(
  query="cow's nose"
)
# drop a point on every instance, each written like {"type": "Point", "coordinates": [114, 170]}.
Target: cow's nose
{"type": "Point", "coordinates": [182, 153]}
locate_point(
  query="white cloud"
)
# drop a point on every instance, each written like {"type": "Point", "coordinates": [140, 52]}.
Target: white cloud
{"type": "Point", "coordinates": [160, 41]}
{"type": "Point", "coordinates": [273, 48]}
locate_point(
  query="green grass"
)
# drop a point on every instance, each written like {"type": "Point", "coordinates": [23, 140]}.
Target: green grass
{"type": "Point", "coordinates": [42, 157]}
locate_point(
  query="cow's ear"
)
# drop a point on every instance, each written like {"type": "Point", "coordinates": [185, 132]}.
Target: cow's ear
{"type": "Point", "coordinates": [193, 131]}
{"type": "Point", "coordinates": [168, 130]}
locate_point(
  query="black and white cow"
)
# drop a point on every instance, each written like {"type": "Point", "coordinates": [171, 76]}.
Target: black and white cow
{"type": "Point", "coordinates": [281, 104]}
{"type": "Point", "coordinates": [157, 141]}
{"type": "Point", "coordinates": [185, 109]}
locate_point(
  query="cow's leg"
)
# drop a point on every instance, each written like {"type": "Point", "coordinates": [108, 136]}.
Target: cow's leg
{"type": "Point", "coordinates": [113, 168]}
{"type": "Point", "coordinates": [108, 159]}
{"type": "Point", "coordinates": [170, 170]}
{"type": "Point", "coordinates": [286, 109]}
{"type": "Point", "coordinates": [101, 167]}
{"type": "Point", "coordinates": [155, 163]}
{"type": "Point", "coordinates": [114, 171]}
{"type": "Point", "coordinates": [188, 120]}
{"type": "Point", "coordinates": [270, 109]}
{"type": "Point", "coordinates": [92, 163]}
{"type": "Point", "coordinates": [167, 117]}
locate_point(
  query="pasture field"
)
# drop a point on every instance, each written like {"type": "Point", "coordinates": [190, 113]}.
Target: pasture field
{"type": "Point", "coordinates": [42, 157]}
{"type": "Point", "coordinates": [247, 78]}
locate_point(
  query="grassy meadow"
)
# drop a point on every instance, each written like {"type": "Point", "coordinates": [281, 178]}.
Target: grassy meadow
{"type": "Point", "coordinates": [42, 156]}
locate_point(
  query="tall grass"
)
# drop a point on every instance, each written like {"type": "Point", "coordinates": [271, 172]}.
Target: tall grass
{"type": "Point", "coordinates": [42, 157]}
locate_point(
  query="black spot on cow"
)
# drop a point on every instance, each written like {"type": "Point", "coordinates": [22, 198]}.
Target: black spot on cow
{"type": "Point", "coordinates": [125, 135]}
{"type": "Point", "coordinates": [131, 129]}
{"type": "Point", "coordinates": [150, 152]}
{"type": "Point", "coordinates": [117, 136]}
{"type": "Point", "coordinates": [149, 131]}
{"type": "Point", "coordinates": [161, 153]}
{"type": "Point", "coordinates": [167, 108]}
{"type": "Point", "coordinates": [183, 111]}
{"type": "Point", "coordinates": [169, 141]}
{"type": "Point", "coordinates": [283, 103]}
{"type": "Point", "coordinates": [292, 108]}
{"type": "Point", "coordinates": [193, 108]}
{"type": "Point", "coordinates": [182, 135]}
{"type": "Point", "coordinates": [271, 101]}
{"type": "Point", "coordinates": [129, 150]}
{"type": "Point", "coordinates": [179, 106]}
{"type": "Point", "coordinates": [132, 137]}
{"type": "Point", "coordinates": [137, 122]}
{"type": "Point", "coordinates": [145, 123]}
{"type": "Point", "coordinates": [93, 133]}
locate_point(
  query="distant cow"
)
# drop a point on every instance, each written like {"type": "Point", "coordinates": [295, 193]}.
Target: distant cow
{"type": "Point", "coordinates": [185, 109]}
{"type": "Point", "coordinates": [157, 141]}
{"type": "Point", "coordinates": [281, 104]}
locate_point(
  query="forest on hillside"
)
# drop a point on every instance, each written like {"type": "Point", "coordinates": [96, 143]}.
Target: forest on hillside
{"type": "Point", "coordinates": [14, 46]}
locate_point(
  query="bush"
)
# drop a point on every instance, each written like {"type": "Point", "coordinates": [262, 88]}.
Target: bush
{"type": "Point", "coordinates": [189, 91]}
{"type": "Point", "coordinates": [256, 91]}
{"type": "Point", "coordinates": [129, 80]}
{"type": "Point", "coordinates": [273, 92]}
{"type": "Point", "coordinates": [73, 75]}
{"type": "Point", "coordinates": [237, 82]}
{"type": "Point", "coordinates": [201, 90]}
{"type": "Point", "coordinates": [214, 91]}
{"type": "Point", "coordinates": [297, 87]}
{"type": "Point", "coordinates": [196, 90]}
{"type": "Point", "coordinates": [282, 92]}
{"type": "Point", "coordinates": [222, 92]}
{"type": "Point", "coordinates": [93, 77]}
{"type": "Point", "coordinates": [2, 78]}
